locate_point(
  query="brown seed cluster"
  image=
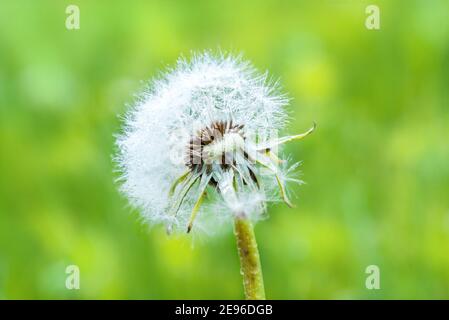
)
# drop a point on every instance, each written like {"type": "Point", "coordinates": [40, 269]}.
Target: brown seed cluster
{"type": "Point", "coordinates": [214, 133]}
{"type": "Point", "coordinates": [195, 158]}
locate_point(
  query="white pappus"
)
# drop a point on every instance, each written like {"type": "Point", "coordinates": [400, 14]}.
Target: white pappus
{"type": "Point", "coordinates": [200, 144]}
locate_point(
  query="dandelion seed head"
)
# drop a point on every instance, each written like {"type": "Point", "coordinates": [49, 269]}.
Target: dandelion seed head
{"type": "Point", "coordinates": [166, 129]}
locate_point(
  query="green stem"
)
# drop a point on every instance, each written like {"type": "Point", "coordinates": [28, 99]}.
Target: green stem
{"type": "Point", "coordinates": [249, 259]}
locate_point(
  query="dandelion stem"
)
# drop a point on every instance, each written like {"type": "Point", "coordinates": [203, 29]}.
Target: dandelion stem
{"type": "Point", "coordinates": [249, 259]}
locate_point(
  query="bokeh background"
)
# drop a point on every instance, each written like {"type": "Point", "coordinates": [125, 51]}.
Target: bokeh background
{"type": "Point", "coordinates": [377, 168]}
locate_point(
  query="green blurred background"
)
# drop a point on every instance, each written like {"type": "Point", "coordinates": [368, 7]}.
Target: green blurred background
{"type": "Point", "coordinates": [377, 168]}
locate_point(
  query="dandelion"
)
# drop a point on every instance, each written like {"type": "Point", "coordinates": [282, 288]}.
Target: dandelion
{"type": "Point", "coordinates": [200, 148]}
